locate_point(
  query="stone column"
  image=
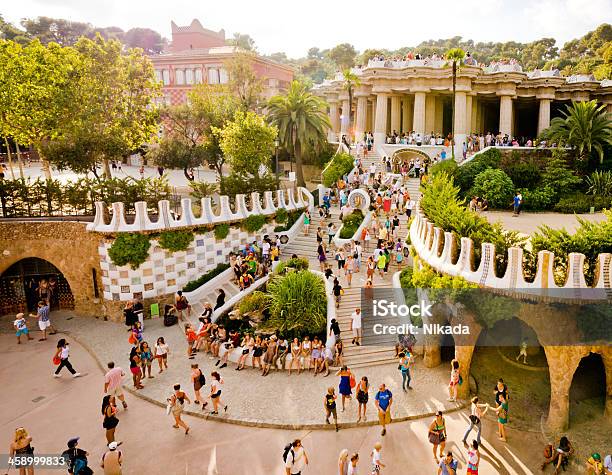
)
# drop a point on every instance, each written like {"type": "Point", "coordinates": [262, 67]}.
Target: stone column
{"type": "Point", "coordinates": [439, 122]}
{"type": "Point", "coordinates": [419, 113]}
{"type": "Point", "coordinates": [369, 117]}
{"type": "Point", "coordinates": [505, 115]}
{"type": "Point", "coordinates": [474, 125]}
{"type": "Point", "coordinates": [334, 118]}
{"type": "Point", "coordinates": [468, 114]}
{"type": "Point", "coordinates": [380, 127]}
{"type": "Point", "coordinates": [430, 113]}
{"type": "Point", "coordinates": [360, 119]}
{"type": "Point", "coordinates": [407, 115]}
{"type": "Point", "coordinates": [396, 110]}
{"type": "Point", "coordinates": [544, 115]}
{"type": "Point", "coordinates": [346, 110]}
{"type": "Point", "coordinates": [460, 123]}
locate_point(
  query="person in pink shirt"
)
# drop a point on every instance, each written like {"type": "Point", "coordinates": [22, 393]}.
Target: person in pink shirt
{"type": "Point", "coordinates": [113, 380]}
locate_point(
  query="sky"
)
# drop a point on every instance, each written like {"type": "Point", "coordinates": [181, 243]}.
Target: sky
{"type": "Point", "coordinates": [295, 26]}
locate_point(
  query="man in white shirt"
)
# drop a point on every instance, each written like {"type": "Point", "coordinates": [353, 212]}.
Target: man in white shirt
{"type": "Point", "coordinates": [356, 327]}
{"type": "Point", "coordinates": [296, 459]}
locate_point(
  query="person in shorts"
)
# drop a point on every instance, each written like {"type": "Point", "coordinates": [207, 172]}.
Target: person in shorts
{"type": "Point", "coordinates": [384, 399]}
{"type": "Point", "coordinates": [44, 321]}
{"type": "Point", "coordinates": [113, 382]}
{"type": "Point", "coordinates": [329, 402]}
{"type": "Point", "coordinates": [21, 328]}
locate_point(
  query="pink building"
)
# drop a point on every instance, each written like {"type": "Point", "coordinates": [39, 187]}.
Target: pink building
{"type": "Point", "coordinates": [197, 55]}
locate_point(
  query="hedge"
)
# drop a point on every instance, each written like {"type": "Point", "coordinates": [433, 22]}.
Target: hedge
{"type": "Point", "coordinates": [340, 165]}
{"type": "Point", "coordinates": [128, 248]}
{"type": "Point", "coordinates": [175, 241]}
{"type": "Point", "coordinates": [221, 231]}
{"type": "Point", "coordinates": [350, 224]}
{"type": "Point", "coordinates": [194, 284]}
{"type": "Point", "coordinates": [253, 223]}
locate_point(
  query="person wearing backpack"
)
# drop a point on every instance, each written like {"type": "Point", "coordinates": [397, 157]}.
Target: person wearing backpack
{"type": "Point", "coordinates": [77, 458]}
{"type": "Point", "coordinates": [295, 458]}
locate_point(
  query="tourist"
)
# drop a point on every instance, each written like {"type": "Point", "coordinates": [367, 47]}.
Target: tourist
{"type": "Point", "coordinates": [523, 352]}
{"type": "Point", "coordinates": [215, 393]}
{"type": "Point", "coordinates": [280, 357]}
{"type": "Point", "coordinates": [146, 359]}
{"type": "Point", "coordinates": [296, 350]}
{"type": "Point", "coordinates": [191, 337]}
{"type": "Point", "coordinates": [594, 465]}
{"type": "Point", "coordinates": [448, 465]}
{"type": "Point", "coordinates": [502, 417]}
{"type": "Point", "coordinates": [329, 403]}
{"type": "Point", "coordinates": [321, 256]}
{"type": "Point", "coordinates": [362, 398]}
{"type": "Point", "coordinates": [176, 403]}
{"type": "Point", "coordinates": [384, 400]}
{"type": "Point", "coordinates": [377, 463]}
{"type": "Point", "coordinates": [334, 332]}
{"type": "Point", "coordinates": [347, 382]}
{"type": "Point", "coordinates": [317, 360]}
{"type": "Point", "coordinates": [349, 268]}
{"type": "Point", "coordinates": [437, 435]}
{"type": "Point", "coordinates": [306, 355]}
{"type": "Point", "coordinates": [77, 458]}
{"type": "Point", "coordinates": [198, 380]}
{"type": "Point", "coordinates": [109, 411]}
{"type": "Point", "coordinates": [44, 321]}
{"type": "Point", "coordinates": [453, 385]}
{"type": "Point", "coordinates": [138, 310]}
{"type": "Point", "coordinates": [295, 458]}
{"type": "Point", "coordinates": [337, 291]}
{"type": "Point", "coordinates": [21, 447]}
{"type": "Point", "coordinates": [135, 367]}
{"type": "Point", "coordinates": [306, 222]}
{"type": "Point", "coordinates": [501, 389]}
{"type": "Point", "coordinates": [270, 355]}
{"type": "Point", "coordinates": [370, 268]}
{"type": "Point", "coordinates": [62, 356]}
{"type": "Point", "coordinates": [608, 465]}
{"type": "Point", "coordinates": [258, 349]}
{"type": "Point", "coordinates": [356, 327]}
{"type": "Point", "coordinates": [112, 459]}
{"type": "Point", "coordinates": [473, 459]}
{"type": "Point", "coordinates": [220, 299]}
{"type": "Point", "coordinates": [559, 457]}
{"type": "Point", "coordinates": [339, 353]}
{"type": "Point", "coordinates": [113, 381]}
{"type": "Point", "coordinates": [516, 203]}
{"type": "Point", "coordinates": [352, 466]}
{"type": "Point", "coordinates": [182, 305]}
{"type": "Point", "coordinates": [476, 414]}
{"type": "Point", "coordinates": [21, 328]}
{"type": "Point", "coordinates": [247, 344]}
{"type": "Point", "coordinates": [404, 367]}
{"type": "Point", "coordinates": [161, 353]}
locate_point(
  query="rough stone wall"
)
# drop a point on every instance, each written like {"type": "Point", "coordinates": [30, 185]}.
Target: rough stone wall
{"type": "Point", "coordinates": [66, 245]}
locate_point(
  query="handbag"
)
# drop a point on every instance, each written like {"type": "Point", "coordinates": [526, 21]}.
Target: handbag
{"type": "Point", "coordinates": [434, 437]}
{"type": "Point", "coordinates": [56, 360]}
{"type": "Point", "coordinates": [474, 419]}
{"type": "Point", "coordinates": [352, 381]}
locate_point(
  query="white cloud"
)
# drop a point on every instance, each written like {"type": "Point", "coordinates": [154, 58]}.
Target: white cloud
{"type": "Point", "coordinates": [293, 27]}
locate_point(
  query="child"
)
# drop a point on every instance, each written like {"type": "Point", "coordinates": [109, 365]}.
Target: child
{"type": "Point", "coordinates": [21, 328]}
{"type": "Point", "coordinates": [329, 402]}
{"type": "Point", "coordinates": [136, 333]}
{"type": "Point", "coordinates": [191, 338]}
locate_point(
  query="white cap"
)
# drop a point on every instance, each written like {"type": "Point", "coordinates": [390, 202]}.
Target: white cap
{"type": "Point", "coordinates": [113, 445]}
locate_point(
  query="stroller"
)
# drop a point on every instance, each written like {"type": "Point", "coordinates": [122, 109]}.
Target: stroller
{"type": "Point", "coordinates": [170, 317]}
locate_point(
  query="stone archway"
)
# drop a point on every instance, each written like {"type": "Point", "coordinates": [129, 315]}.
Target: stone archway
{"type": "Point", "coordinates": [359, 199]}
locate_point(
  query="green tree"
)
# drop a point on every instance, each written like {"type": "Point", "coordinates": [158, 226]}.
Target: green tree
{"type": "Point", "coordinates": [56, 30]}
{"type": "Point", "coordinates": [112, 100]}
{"type": "Point", "coordinates": [243, 41]}
{"type": "Point", "coordinates": [349, 82]}
{"type": "Point", "coordinates": [247, 142]}
{"type": "Point", "coordinates": [302, 121]}
{"type": "Point", "coordinates": [8, 31]}
{"type": "Point", "coordinates": [243, 82]}
{"type": "Point", "coordinates": [456, 57]}
{"type": "Point", "coordinates": [343, 55]}
{"type": "Point", "coordinates": [585, 126]}
{"type": "Point", "coordinates": [36, 97]}
{"type": "Point", "coordinates": [150, 41]}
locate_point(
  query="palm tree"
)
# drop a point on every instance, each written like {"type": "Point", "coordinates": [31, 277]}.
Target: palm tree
{"type": "Point", "coordinates": [585, 126]}
{"type": "Point", "coordinates": [349, 81]}
{"type": "Point", "coordinates": [456, 56]}
{"type": "Point", "coordinates": [302, 121]}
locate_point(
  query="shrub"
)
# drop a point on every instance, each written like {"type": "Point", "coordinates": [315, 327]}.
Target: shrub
{"type": "Point", "coordinates": [194, 284]}
{"type": "Point", "coordinates": [201, 190]}
{"type": "Point", "coordinates": [350, 224]}
{"type": "Point", "coordinates": [445, 166]}
{"type": "Point", "coordinates": [495, 186]}
{"type": "Point", "coordinates": [539, 198]}
{"type": "Point", "coordinates": [298, 303]}
{"type": "Point", "coordinates": [253, 223]}
{"type": "Point", "coordinates": [558, 175]}
{"type": "Point", "coordinates": [600, 183]}
{"type": "Point", "coordinates": [581, 203]}
{"type": "Point", "coordinates": [281, 215]}
{"type": "Point", "coordinates": [297, 263]}
{"type": "Point", "coordinates": [256, 301]}
{"type": "Point", "coordinates": [466, 174]}
{"type": "Point", "coordinates": [340, 165]}
{"type": "Point", "coordinates": [524, 174]}
{"type": "Point", "coordinates": [292, 217]}
{"type": "Point", "coordinates": [221, 231]}
{"type": "Point", "coordinates": [128, 248]}
{"type": "Point", "coordinates": [175, 240]}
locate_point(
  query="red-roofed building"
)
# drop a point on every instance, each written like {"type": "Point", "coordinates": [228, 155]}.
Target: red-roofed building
{"type": "Point", "coordinates": [197, 55]}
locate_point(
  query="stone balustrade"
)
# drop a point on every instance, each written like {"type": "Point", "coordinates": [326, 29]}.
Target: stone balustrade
{"type": "Point", "coordinates": [438, 247]}
{"type": "Point", "coordinates": [288, 199]}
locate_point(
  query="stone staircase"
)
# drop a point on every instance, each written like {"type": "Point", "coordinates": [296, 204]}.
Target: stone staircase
{"type": "Point", "coordinates": [210, 295]}
{"type": "Point", "coordinates": [306, 246]}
